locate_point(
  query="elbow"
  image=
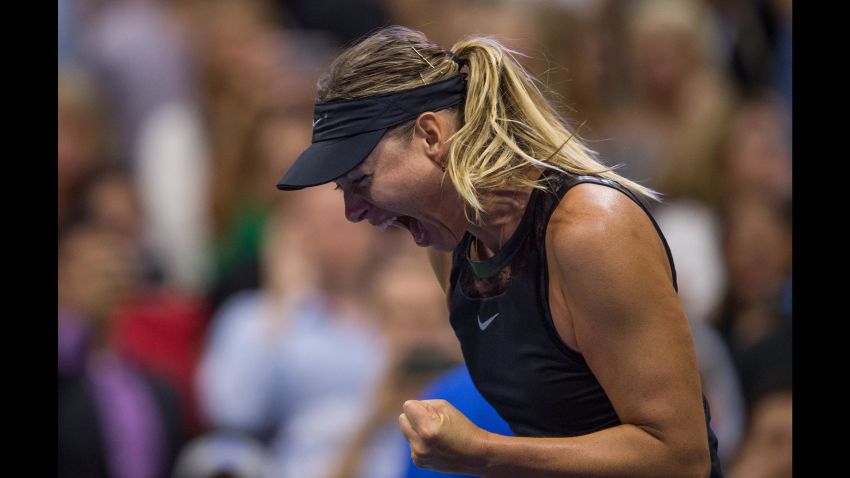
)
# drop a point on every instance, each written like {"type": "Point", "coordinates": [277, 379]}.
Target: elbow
{"type": "Point", "coordinates": [695, 462]}
{"type": "Point", "coordinates": [688, 457]}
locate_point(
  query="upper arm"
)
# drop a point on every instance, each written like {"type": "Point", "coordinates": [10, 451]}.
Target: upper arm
{"type": "Point", "coordinates": [627, 318]}
{"type": "Point", "coordinates": [441, 262]}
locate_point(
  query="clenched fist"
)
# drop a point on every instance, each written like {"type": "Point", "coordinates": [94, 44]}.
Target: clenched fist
{"type": "Point", "coordinates": [441, 438]}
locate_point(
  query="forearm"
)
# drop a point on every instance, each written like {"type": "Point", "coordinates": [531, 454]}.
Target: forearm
{"type": "Point", "coordinates": [621, 451]}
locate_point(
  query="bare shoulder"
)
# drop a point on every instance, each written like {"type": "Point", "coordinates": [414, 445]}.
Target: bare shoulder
{"type": "Point", "coordinates": [595, 225]}
{"type": "Point", "coordinates": [594, 211]}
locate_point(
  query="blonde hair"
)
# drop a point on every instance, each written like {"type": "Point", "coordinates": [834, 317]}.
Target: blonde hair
{"type": "Point", "coordinates": [507, 124]}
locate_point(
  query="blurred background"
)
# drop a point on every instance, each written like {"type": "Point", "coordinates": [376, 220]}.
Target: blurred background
{"type": "Point", "coordinates": [212, 326]}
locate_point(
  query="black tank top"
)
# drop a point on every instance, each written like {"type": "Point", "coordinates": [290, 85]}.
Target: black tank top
{"type": "Point", "coordinates": [517, 360]}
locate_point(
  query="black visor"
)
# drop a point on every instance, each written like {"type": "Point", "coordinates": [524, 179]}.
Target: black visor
{"type": "Point", "coordinates": [346, 131]}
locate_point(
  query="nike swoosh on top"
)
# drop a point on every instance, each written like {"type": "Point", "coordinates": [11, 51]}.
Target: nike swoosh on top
{"type": "Point", "coordinates": [486, 323]}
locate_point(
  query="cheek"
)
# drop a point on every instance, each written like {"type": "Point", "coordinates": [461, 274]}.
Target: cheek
{"type": "Point", "coordinates": [397, 196]}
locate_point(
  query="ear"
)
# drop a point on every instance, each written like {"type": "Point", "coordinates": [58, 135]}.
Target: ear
{"type": "Point", "coordinates": [431, 132]}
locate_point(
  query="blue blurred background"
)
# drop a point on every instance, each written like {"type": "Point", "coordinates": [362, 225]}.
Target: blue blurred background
{"type": "Point", "coordinates": [212, 326]}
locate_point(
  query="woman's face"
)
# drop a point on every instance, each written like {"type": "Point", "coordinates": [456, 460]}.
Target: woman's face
{"type": "Point", "coordinates": [402, 184]}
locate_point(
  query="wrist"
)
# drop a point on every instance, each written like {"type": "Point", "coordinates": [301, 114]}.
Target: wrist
{"type": "Point", "coordinates": [483, 454]}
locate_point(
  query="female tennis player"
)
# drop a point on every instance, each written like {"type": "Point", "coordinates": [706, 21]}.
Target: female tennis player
{"type": "Point", "coordinates": [561, 287]}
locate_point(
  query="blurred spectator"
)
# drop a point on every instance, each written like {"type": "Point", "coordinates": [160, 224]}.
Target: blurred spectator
{"type": "Point", "coordinates": [295, 362]}
{"type": "Point", "coordinates": [584, 63]}
{"type": "Point", "coordinates": [755, 42]}
{"type": "Point", "coordinates": [253, 83]}
{"type": "Point", "coordinates": [414, 322]}
{"type": "Point", "coordinates": [757, 249]}
{"type": "Point", "coordinates": [84, 145]}
{"type": "Point", "coordinates": [110, 200]}
{"type": "Point", "coordinates": [244, 201]}
{"type": "Point", "coordinates": [411, 306]}
{"type": "Point", "coordinates": [223, 454]}
{"type": "Point", "coordinates": [162, 330]}
{"type": "Point", "coordinates": [669, 137]}
{"type": "Point", "coordinates": [114, 419]}
{"type": "Point", "coordinates": [172, 178]}
{"type": "Point", "coordinates": [767, 449]}
{"type": "Point", "coordinates": [140, 54]}
{"type": "Point", "coordinates": [693, 233]}
{"type": "Point", "coordinates": [767, 363]}
{"type": "Point", "coordinates": [246, 64]}
{"type": "Point", "coordinates": [757, 151]}
{"type": "Point", "coordinates": [156, 327]}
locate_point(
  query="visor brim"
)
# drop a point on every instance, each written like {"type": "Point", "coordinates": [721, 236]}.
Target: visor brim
{"type": "Point", "coordinates": [326, 161]}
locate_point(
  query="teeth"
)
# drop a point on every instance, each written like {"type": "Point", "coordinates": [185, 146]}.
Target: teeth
{"type": "Point", "coordinates": [384, 225]}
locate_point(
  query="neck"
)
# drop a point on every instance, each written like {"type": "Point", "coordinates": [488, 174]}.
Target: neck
{"type": "Point", "coordinates": [504, 211]}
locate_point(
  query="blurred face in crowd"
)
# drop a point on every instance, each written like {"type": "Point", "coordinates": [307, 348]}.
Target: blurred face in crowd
{"type": "Point", "coordinates": [401, 184]}
{"type": "Point", "coordinates": [758, 153]}
{"type": "Point", "coordinates": [758, 247]}
{"type": "Point", "coordinates": [412, 308]}
{"type": "Point", "coordinates": [661, 62]}
{"type": "Point", "coordinates": [112, 203]}
{"type": "Point", "coordinates": [664, 47]}
{"type": "Point", "coordinates": [97, 270]}
{"type": "Point", "coordinates": [81, 137]}
{"type": "Point", "coordinates": [311, 219]}
{"type": "Point", "coordinates": [234, 39]}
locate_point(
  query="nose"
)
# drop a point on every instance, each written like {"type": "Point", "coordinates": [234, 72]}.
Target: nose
{"type": "Point", "coordinates": [355, 207]}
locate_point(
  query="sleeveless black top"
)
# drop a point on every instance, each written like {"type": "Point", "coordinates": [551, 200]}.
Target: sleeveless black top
{"type": "Point", "coordinates": [516, 358]}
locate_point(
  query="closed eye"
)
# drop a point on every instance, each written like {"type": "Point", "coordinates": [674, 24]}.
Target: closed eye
{"type": "Point", "coordinates": [355, 184]}
{"type": "Point", "coordinates": [359, 182]}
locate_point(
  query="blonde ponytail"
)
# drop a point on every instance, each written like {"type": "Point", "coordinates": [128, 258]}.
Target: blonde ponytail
{"type": "Point", "coordinates": [507, 125]}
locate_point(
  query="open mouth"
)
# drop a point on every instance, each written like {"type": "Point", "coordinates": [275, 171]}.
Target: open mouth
{"type": "Point", "coordinates": [384, 225]}
{"type": "Point", "coordinates": [417, 230]}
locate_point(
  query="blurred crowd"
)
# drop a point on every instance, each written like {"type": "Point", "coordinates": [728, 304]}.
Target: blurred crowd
{"type": "Point", "coordinates": [212, 326]}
